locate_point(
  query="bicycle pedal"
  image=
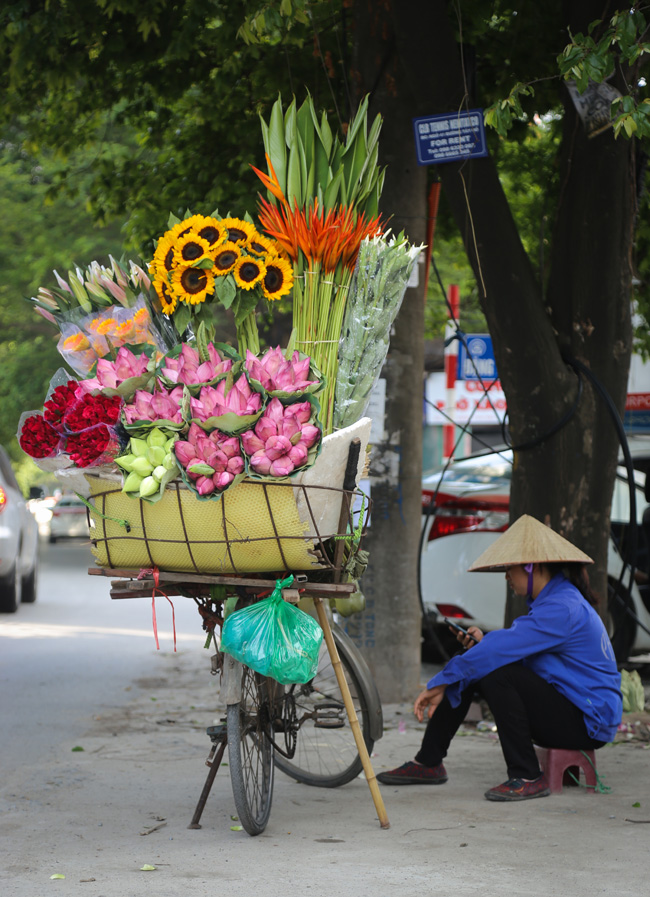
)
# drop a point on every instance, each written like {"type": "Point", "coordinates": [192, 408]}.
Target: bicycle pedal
{"type": "Point", "coordinates": [329, 724]}
{"type": "Point", "coordinates": [217, 733]}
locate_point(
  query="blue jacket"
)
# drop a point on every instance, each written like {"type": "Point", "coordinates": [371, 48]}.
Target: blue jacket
{"type": "Point", "coordinates": [563, 640]}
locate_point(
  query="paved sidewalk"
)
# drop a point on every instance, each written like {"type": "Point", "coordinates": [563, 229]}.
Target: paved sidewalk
{"type": "Point", "coordinates": [99, 815]}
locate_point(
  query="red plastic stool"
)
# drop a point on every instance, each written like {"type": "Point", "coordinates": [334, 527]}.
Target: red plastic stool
{"type": "Point", "coordinates": [558, 763]}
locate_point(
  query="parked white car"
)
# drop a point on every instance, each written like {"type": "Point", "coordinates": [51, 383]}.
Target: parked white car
{"type": "Point", "coordinates": [471, 510]}
{"type": "Point", "coordinates": [18, 542]}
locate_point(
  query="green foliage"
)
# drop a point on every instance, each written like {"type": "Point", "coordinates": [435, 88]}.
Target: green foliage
{"type": "Point", "coordinates": [36, 236]}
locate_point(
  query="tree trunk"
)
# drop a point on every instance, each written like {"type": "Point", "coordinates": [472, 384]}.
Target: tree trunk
{"type": "Point", "coordinates": [388, 631]}
{"type": "Point", "coordinates": [566, 477]}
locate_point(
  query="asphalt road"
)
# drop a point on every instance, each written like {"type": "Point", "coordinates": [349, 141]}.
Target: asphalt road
{"type": "Point", "coordinates": [75, 651]}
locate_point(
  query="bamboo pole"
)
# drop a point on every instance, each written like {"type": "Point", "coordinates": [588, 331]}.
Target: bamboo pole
{"type": "Point", "coordinates": [352, 714]}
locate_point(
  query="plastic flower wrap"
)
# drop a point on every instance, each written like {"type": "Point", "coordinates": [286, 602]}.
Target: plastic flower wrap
{"type": "Point", "coordinates": [376, 292]}
{"type": "Point", "coordinates": [211, 462]}
{"type": "Point", "coordinates": [74, 428]}
{"type": "Point", "coordinates": [284, 440]}
{"type": "Point", "coordinates": [285, 378]}
{"type": "Point", "coordinates": [162, 407]}
{"type": "Point", "coordinates": [231, 406]}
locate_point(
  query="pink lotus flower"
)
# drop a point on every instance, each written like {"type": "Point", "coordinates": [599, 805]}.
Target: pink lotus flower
{"type": "Point", "coordinates": [111, 373]}
{"type": "Point", "coordinates": [213, 401]}
{"type": "Point", "coordinates": [274, 371]}
{"type": "Point", "coordinates": [187, 368]}
{"type": "Point", "coordinates": [212, 460]}
{"type": "Point", "coordinates": [280, 441]}
{"type": "Point", "coordinates": [161, 405]}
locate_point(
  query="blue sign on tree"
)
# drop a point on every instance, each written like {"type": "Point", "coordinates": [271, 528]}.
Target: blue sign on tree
{"type": "Point", "coordinates": [450, 137]}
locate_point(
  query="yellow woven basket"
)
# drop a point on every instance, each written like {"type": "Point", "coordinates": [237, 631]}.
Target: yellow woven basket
{"type": "Point", "coordinates": [254, 527]}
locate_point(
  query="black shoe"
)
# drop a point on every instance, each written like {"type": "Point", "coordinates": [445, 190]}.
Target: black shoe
{"type": "Point", "coordinates": [414, 774]}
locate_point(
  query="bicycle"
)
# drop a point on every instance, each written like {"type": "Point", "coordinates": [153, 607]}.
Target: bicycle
{"type": "Point", "coordinates": [304, 730]}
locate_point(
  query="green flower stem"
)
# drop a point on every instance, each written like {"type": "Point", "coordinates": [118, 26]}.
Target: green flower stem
{"type": "Point", "coordinates": [248, 335]}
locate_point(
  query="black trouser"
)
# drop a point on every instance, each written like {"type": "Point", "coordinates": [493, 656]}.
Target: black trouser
{"type": "Point", "coordinates": [526, 710]}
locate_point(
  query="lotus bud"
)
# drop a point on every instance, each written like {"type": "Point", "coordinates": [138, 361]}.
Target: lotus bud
{"type": "Point", "coordinates": [204, 486]}
{"type": "Point", "coordinates": [149, 486]}
{"type": "Point", "coordinates": [156, 454]}
{"type": "Point", "coordinates": [156, 437]}
{"type": "Point", "coordinates": [139, 447]}
{"type": "Point", "coordinates": [159, 472]}
{"type": "Point", "coordinates": [170, 443]}
{"type": "Point", "coordinates": [126, 462]}
{"type": "Point", "coordinates": [132, 483]}
{"type": "Point", "coordinates": [168, 461]}
{"type": "Point", "coordinates": [142, 467]}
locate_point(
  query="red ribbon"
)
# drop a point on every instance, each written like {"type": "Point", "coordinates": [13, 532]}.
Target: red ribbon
{"type": "Point", "coordinates": [156, 580]}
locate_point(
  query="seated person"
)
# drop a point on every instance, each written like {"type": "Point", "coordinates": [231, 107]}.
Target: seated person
{"type": "Point", "coordinates": [549, 679]}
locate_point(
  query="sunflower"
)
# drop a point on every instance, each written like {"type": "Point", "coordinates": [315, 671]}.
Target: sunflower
{"type": "Point", "coordinates": [185, 226]}
{"type": "Point", "coordinates": [225, 257]}
{"type": "Point", "coordinates": [163, 257]}
{"type": "Point", "coordinates": [278, 279]}
{"type": "Point", "coordinates": [190, 248]}
{"type": "Point", "coordinates": [260, 245]}
{"type": "Point", "coordinates": [167, 299]}
{"type": "Point", "coordinates": [213, 231]}
{"type": "Point", "coordinates": [249, 271]}
{"type": "Point", "coordinates": [238, 231]}
{"type": "Point", "coordinates": [192, 285]}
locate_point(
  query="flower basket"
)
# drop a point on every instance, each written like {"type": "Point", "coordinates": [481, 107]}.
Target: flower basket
{"type": "Point", "coordinates": [255, 526]}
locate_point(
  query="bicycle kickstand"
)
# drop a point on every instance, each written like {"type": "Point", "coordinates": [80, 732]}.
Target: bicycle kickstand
{"type": "Point", "coordinates": [219, 737]}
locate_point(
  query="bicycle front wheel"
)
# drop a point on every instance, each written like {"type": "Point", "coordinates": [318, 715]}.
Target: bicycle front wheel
{"type": "Point", "coordinates": [250, 753]}
{"type": "Point", "coordinates": [326, 752]}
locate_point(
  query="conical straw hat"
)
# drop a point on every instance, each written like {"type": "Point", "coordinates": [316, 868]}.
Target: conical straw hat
{"type": "Point", "coordinates": [528, 541]}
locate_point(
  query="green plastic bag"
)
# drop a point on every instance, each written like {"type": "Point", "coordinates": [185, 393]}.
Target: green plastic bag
{"type": "Point", "coordinates": [274, 638]}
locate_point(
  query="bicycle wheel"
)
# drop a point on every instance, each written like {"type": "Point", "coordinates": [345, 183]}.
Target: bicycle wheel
{"type": "Point", "coordinates": [326, 752]}
{"type": "Point", "coordinates": [250, 754]}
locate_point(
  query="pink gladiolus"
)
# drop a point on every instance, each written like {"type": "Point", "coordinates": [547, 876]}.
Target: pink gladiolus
{"type": "Point", "coordinates": [219, 451]}
{"type": "Point", "coordinates": [213, 401]}
{"type": "Point", "coordinates": [111, 373]}
{"type": "Point", "coordinates": [275, 372]}
{"type": "Point", "coordinates": [161, 405]}
{"type": "Point", "coordinates": [281, 439]}
{"type": "Point", "coordinates": [187, 368]}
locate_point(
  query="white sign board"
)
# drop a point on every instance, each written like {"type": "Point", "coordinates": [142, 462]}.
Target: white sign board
{"type": "Point", "coordinates": [472, 405]}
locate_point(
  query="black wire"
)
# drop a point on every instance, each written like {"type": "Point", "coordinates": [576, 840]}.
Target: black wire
{"type": "Point", "coordinates": [628, 556]}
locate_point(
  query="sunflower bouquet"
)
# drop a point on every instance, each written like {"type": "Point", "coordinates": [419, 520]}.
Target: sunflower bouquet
{"type": "Point", "coordinates": [205, 259]}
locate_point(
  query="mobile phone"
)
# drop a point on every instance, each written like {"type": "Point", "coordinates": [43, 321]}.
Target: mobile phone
{"type": "Point", "coordinates": [458, 628]}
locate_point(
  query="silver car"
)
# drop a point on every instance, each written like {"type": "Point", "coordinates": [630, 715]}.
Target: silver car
{"type": "Point", "coordinates": [18, 542]}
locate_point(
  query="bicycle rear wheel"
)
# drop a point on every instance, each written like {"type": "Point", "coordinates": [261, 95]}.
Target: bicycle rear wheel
{"type": "Point", "coordinates": [326, 752]}
{"type": "Point", "coordinates": [250, 753]}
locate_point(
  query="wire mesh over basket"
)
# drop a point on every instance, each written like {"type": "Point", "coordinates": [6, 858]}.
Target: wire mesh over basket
{"type": "Point", "coordinates": [254, 527]}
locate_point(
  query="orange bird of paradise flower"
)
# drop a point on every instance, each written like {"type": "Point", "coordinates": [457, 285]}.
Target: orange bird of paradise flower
{"type": "Point", "coordinates": [325, 238]}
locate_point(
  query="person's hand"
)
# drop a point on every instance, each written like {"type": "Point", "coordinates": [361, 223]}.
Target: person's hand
{"type": "Point", "coordinates": [430, 698]}
{"type": "Point", "coordinates": [466, 641]}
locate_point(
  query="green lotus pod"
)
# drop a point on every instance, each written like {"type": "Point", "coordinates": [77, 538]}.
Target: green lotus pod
{"type": "Point", "coordinates": [156, 454]}
{"type": "Point", "coordinates": [352, 605]}
{"type": "Point", "coordinates": [168, 461]}
{"type": "Point", "coordinates": [132, 483]}
{"type": "Point", "coordinates": [149, 486]}
{"type": "Point", "coordinates": [139, 447]}
{"type": "Point", "coordinates": [126, 462]}
{"type": "Point", "coordinates": [169, 445]}
{"type": "Point", "coordinates": [142, 466]}
{"type": "Point", "coordinates": [159, 472]}
{"type": "Point", "coordinates": [156, 437]}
